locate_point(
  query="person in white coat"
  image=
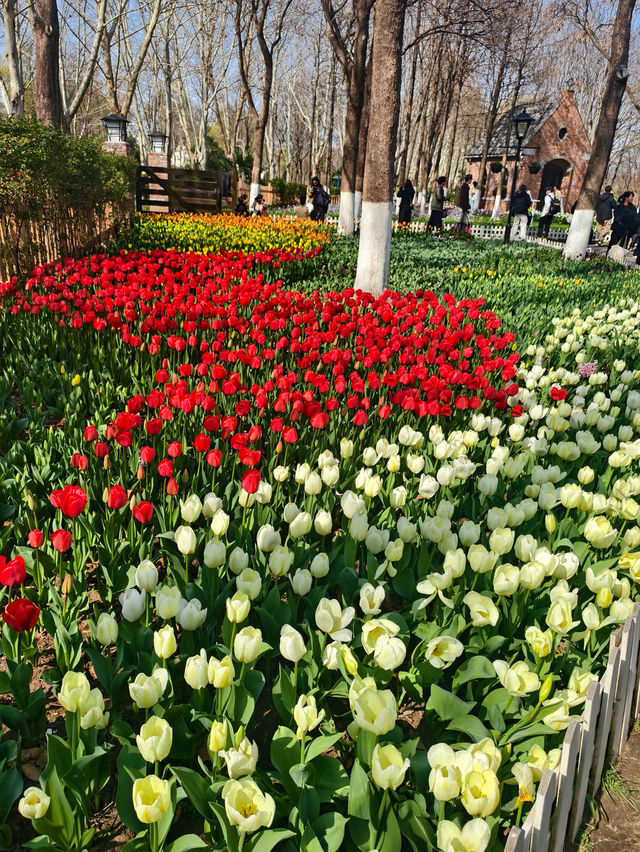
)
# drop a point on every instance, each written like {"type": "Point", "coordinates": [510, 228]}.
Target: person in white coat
{"type": "Point", "coordinates": [550, 207]}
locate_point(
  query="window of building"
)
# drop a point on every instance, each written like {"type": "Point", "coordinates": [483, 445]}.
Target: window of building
{"type": "Point", "coordinates": [562, 132]}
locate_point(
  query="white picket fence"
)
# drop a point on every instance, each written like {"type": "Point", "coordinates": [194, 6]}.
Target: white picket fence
{"type": "Point", "coordinates": [483, 232]}
{"type": "Point", "coordinates": [612, 705]}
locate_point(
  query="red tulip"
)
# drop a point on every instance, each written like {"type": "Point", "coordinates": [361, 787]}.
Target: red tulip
{"type": "Point", "coordinates": [174, 449]}
{"type": "Point", "coordinates": [201, 443]}
{"type": "Point", "coordinates": [214, 458]}
{"type": "Point", "coordinates": [557, 394]}
{"type": "Point", "coordinates": [71, 500]}
{"type": "Point", "coordinates": [251, 480]}
{"type": "Point", "coordinates": [165, 468]}
{"type": "Point", "coordinates": [61, 540]}
{"type": "Point", "coordinates": [21, 614]}
{"type": "Point", "coordinates": [147, 454]}
{"type": "Point", "coordinates": [101, 449]}
{"type": "Point", "coordinates": [35, 538]}
{"type": "Point", "coordinates": [79, 461]}
{"type": "Point", "coordinates": [172, 487]}
{"type": "Point", "coordinates": [90, 433]}
{"type": "Point", "coordinates": [117, 497]}
{"type": "Point", "coordinates": [12, 572]}
{"type": "Point", "coordinates": [143, 511]}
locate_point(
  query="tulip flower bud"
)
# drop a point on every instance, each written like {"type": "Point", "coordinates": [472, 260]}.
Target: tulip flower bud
{"type": "Point", "coordinates": [31, 503]}
{"type": "Point", "coordinates": [238, 607]}
{"type": "Point", "coordinates": [196, 670]}
{"type": "Point", "coordinates": [168, 600]}
{"type": "Point", "coordinates": [106, 463]}
{"type": "Point", "coordinates": [185, 539]}
{"type": "Point", "coordinates": [146, 576]}
{"type": "Point", "coordinates": [249, 582]}
{"type": "Point", "coordinates": [155, 739]}
{"type": "Point", "coordinates": [191, 615]}
{"type": "Point", "coordinates": [105, 494]}
{"type": "Point", "coordinates": [545, 689]}
{"type": "Point", "coordinates": [388, 767]}
{"type": "Point", "coordinates": [246, 646]}
{"type": "Point", "coordinates": [280, 560]}
{"type": "Point", "coordinates": [292, 645]}
{"type": "Point", "coordinates": [74, 691]}
{"type": "Point", "coordinates": [214, 553]}
{"type": "Point", "coordinates": [219, 523]}
{"type": "Point", "coordinates": [106, 629]}
{"type": "Point", "coordinates": [217, 737]}
{"type": "Point", "coordinates": [550, 523]}
{"type": "Point", "coordinates": [140, 475]}
{"type": "Point", "coordinates": [132, 602]}
{"type": "Point", "coordinates": [320, 565]}
{"type": "Point", "coordinates": [164, 642]}
{"type": "Point", "coordinates": [67, 584]}
{"type": "Point", "coordinates": [322, 522]}
{"type": "Point", "coordinates": [302, 581]}
{"type": "Point", "coordinates": [220, 672]}
{"type": "Point", "coordinates": [300, 525]}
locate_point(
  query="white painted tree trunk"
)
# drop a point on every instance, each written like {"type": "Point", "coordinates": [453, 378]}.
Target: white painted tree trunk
{"type": "Point", "coordinates": [347, 214]}
{"type": "Point", "coordinates": [357, 204]}
{"type": "Point", "coordinates": [579, 234]}
{"type": "Point", "coordinates": [422, 201]}
{"type": "Point", "coordinates": [254, 192]}
{"type": "Point", "coordinates": [495, 214]}
{"type": "Point", "coordinates": [375, 246]}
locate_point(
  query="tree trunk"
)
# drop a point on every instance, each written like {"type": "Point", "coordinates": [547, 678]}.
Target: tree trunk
{"type": "Point", "coordinates": [332, 105]}
{"type": "Point", "coordinates": [12, 54]}
{"type": "Point", "coordinates": [259, 128]}
{"type": "Point", "coordinates": [362, 142]}
{"type": "Point", "coordinates": [492, 114]}
{"type": "Point", "coordinates": [582, 220]}
{"type": "Point", "coordinates": [377, 208]}
{"type": "Point", "coordinates": [47, 77]}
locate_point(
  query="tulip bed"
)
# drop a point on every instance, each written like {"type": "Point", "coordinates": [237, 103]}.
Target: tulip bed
{"type": "Point", "coordinates": [310, 570]}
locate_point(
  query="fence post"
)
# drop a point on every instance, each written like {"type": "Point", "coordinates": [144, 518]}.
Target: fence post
{"type": "Point", "coordinates": [609, 682]}
{"type": "Point", "coordinates": [542, 810]}
{"type": "Point", "coordinates": [566, 777]}
{"type": "Point", "coordinates": [589, 727]}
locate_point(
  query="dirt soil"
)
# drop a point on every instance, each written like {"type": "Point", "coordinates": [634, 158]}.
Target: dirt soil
{"type": "Point", "coordinates": [618, 825]}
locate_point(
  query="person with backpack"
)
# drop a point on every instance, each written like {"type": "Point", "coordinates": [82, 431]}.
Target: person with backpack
{"type": "Point", "coordinates": [320, 199]}
{"type": "Point", "coordinates": [604, 213]}
{"type": "Point", "coordinates": [625, 221]}
{"type": "Point", "coordinates": [438, 197]}
{"type": "Point", "coordinates": [520, 205]}
{"type": "Point", "coordinates": [242, 208]}
{"type": "Point", "coordinates": [549, 210]}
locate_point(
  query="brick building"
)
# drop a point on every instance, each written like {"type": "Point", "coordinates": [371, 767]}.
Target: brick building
{"type": "Point", "coordinates": [557, 140]}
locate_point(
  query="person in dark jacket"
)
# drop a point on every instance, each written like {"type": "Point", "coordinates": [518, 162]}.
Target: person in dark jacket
{"type": "Point", "coordinates": [520, 208]}
{"type": "Point", "coordinates": [625, 220]}
{"type": "Point", "coordinates": [242, 208]}
{"type": "Point", "coordinates": [604, 214]}
{"type": "Point", "coordinates": [463, 202]}
{"type": "Point", "coordinates": [438, 197]}
{"type": "Point", "coordinates": [320, 200]}
{"type": "Point", "coordinates": [406, 195]}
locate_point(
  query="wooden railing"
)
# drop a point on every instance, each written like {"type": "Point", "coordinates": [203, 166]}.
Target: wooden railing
{"type": "Point", "coordinates": [167, 190]}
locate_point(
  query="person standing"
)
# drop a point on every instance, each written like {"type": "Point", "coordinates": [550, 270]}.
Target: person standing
{"type": "Point", "coordinates": [475, 197]}
{"type": "Point", "coordinates": [520, 207]}
{"type": "Point", "coordinates": [241, 206]}
{"type": "Point", "coordinates": [320, 199]}
{"type": "Point", "coordinates": [406, 195]}
{"type": "Point", "coordinates": [550, 208]}
{"type": "Point", "coordinates": [438, 197]}
{"type": "Point", "coordinates": [604, 214]}
{"type": "Point", "coordinates": [625, 221]}
{"type": "Point", "coordinates": [301, 211]}
{"type": "Point", "coordinates": [463, 202]}
{"type": "Point", "coordinates": [259, 207]}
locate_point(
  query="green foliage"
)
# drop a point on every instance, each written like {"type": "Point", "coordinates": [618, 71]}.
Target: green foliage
{"type": "Point", "coordinates": [55, 184]}
{"type": "Point", "coordinates": [289, 193]}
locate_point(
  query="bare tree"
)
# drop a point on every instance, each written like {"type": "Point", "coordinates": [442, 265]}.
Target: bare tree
{"type": "Point", "coordinates": [263, 20]}
{"type": "Point", "coordinates": [349, 36]}
{"type": "Point", "coordinates": [14, 91]}
{"type": "Point", "coordinates": [46, 30]}
{"type": "Point", "coordinates": [379, 177]}
{"type": "Point", "coordinates": [582, 220]}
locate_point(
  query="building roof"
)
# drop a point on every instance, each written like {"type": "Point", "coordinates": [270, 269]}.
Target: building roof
{"type": "Point", "coordinates": [540, 113]}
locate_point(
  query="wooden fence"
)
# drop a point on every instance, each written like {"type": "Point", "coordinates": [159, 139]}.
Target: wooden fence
{"type": "Point", "coordinates": [612, 705]}
{"type": "Point", "coordinates": [167, 190]}
{"type": "Point", "coordinates": [26, 244]}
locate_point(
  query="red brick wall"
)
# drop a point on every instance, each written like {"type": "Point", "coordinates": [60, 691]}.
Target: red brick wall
{"type": "Point", "coordinates": [574, 148]}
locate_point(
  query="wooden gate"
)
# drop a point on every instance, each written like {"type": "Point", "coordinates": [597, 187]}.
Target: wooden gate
{"type": "Point", "coordinates": [165, 190]}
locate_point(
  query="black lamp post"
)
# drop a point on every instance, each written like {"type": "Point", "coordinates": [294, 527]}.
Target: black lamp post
{"type": "Point", "coordinates": [521, 124]}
